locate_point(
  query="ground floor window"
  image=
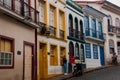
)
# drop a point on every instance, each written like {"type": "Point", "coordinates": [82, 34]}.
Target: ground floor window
{"type": "Point", "coordinates": [88, 50]}
{"type": "Point", "coordinates": [53, 55]}
{"type": "Point", "coordinates": [6, 52]}
{"type": "Point", "coordinates": [95, 51]}
{"type": "Point", "coordinates": [62, 54]}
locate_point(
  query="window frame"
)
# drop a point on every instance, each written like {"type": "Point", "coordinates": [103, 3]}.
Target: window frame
{"type": "Point", "coordinates": [88, 55]}
{"type": "Point", "coordinates": [95, 52]}
{"type": "Point", "coordinates": [12, 51]}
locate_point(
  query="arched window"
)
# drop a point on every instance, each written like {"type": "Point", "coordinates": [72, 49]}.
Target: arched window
{"type": "Point", "coordinates": [111, 46]}
{"type": "Point", "coordinates": [76, 50]}
{"type": "Point", "coordinates": [82, 56]}
{"type": "Point", "coordinates": [76, 27]}
{"type": "Point", "coordinates": [81, 30]}
{"type": "Point", "coordinates": [71, 49]}
{"type": "Point", "coordinates": [70, 25]}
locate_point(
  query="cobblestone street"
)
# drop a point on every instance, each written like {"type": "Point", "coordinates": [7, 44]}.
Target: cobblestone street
{"type": "Point", "coordinates": [112, 73]}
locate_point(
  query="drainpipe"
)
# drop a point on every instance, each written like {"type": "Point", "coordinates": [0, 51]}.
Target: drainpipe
{"type": "Point", "coordinates": [35, 68]}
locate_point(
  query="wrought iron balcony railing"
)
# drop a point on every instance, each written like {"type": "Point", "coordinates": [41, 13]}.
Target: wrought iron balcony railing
{"type": "Point", "coordinates": [61, 34]}
{"type": "Point", "coordinates": [112, 28]}
{"type": "Point", "coordinates": [76, 34]}
{"type": "Point", "coordinates": [21, 8]}
{"type": "Point", "coordinates": [94, 34]}
{"type": "Point", "coordinates": [42, 28]}
{"type": "Point", "coordinates": [52, 31]}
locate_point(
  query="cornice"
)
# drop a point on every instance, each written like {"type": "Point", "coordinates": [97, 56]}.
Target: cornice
{"type": "Point", "coordinates": [74, 5]}
{"type": "Point", "coordinates": [111, 7]}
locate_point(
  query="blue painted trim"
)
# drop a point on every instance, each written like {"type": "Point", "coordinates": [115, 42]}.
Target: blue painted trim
{"type": "Point", "coordinates": [88, 50]}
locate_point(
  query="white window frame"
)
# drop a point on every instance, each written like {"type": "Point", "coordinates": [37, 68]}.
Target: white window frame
{"type": "Point", "coordinates": [7, 65]}
{"type": "Point", "coordinates": [51, 16]}
{"type": "Point", "coordinates": [41, 5]}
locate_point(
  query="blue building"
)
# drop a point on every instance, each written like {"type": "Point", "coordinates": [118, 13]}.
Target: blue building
{"type": "Point", "coordinates": [94, 37]}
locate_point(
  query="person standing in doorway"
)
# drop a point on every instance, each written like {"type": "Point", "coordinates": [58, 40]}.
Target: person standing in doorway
{"type": "Point", "coordinates": [65, 65]}
{"type": "Point", "coordinates": [73, 63]}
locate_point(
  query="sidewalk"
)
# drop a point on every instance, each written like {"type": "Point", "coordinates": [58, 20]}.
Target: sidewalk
{"type": "Point", "coordinates": [64, 77]}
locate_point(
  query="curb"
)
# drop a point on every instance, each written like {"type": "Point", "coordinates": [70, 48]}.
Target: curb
{"type": "Point", "coordinates": [91, 70]}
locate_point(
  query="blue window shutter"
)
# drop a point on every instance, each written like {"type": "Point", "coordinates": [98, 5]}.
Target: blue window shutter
{"type": "Point", "coordinates": [88, 50]}
{"type": "Point", "coordinates": [95, 51]}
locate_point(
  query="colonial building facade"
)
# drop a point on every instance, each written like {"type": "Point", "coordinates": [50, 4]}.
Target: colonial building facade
{"type": "Point", "coordinates": [51, 37]}
{"type": "Point", "coordinates": [94, 37]}
{"type": "Point", "coordinates": [18, 21]}
{"type": "Point", "coordinates": [111, 27]}
{"type": "Point", "coordinates": [75, 32]}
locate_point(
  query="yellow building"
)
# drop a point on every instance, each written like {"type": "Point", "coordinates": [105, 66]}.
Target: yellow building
{"type": "Point", "coordinates": [51, 37]}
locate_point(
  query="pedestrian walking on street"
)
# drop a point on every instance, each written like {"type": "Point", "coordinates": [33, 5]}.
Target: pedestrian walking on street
{"type": "Point", "coordinates": [65, 65]}
{"type": "Point", "coordinates": [73, 62]}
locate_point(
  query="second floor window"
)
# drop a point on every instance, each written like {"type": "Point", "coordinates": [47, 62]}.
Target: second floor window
{"type": "Point", "coordinates": [41, 4]}
{"type": "Point", "coordinates": [117, 22]}
{"type": "Point", "coordinates": [61, 20]}
{"type": "Point", "coordinates": [51, 16]}
{"type": "Point", "coordinates": [86, 21]}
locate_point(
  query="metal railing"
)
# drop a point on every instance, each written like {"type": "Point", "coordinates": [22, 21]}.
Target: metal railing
{"type": "Point", "coordinates": [76, 34]}
{"type": "Point", "coordinates": [21, 8]}
{"type": "Point", "coordinates": [95, 34]}
{"type": "Point", "coordinates": [61, 34]}
{"type": "Point", "coordinates": [112, 28]}
{"type": "Point", "coordinates": [52, 31]}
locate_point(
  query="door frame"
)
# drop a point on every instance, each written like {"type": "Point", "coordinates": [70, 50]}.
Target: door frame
{"type": "Point", "coordinates": [102, 56]}
{"type": "Point", "coordinates": [33, 59]}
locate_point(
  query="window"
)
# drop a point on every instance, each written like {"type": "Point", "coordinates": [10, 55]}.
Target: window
{"type": "Point", "coordinates": [53, 55]}
{"type": "Point", "coordinates": [111, 46]}
{"type": "Point", "coordinates": [76, 28]}
{"type": "Point", "coordinates": [88, 50]}
{"type": "Point", "coordinates": [77, 50]}
{"type": "Point", "coordinates": [52, 9]}
{"type": "Point", "coordinates": [61, 20]}
{"type": "Point", "coordinates": [86, 22]}
{"type": "Point", "coordinates": [94, 28]}
{"type": "Point", "coordinates": [41, 4]}
{"type": "Point", "coordinates": [95, 51]}
{"type": "Point", "coordinates": [6, 52]}
{"type": "Point", "coordinates": [100, 30]}
{"type": "Point", "coordinates": [117, 22]}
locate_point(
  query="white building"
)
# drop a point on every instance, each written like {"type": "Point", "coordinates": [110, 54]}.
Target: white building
{"type": "Point", "coordinates": [94, 37]}
{"type": "Point", "coordinates": [75, 32]}
{"type": "Point", "coordinates": [111, 26]}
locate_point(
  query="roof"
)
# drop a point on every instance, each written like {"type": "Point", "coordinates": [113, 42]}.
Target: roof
{"type": "Point", "coordinates": [74, 5]}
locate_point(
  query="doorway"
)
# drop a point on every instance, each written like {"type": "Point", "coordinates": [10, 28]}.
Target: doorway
{"type": "Point", "coordinates": [28, 68]}
{"type": "Point", "coordinates": [43, 61]}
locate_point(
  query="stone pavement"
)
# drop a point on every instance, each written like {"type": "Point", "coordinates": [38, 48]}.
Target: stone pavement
{"type": "Point", "coordinates": [64, 77]}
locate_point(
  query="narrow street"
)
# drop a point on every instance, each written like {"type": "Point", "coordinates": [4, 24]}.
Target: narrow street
{"type": "Point", "coordinates": [112, 73]}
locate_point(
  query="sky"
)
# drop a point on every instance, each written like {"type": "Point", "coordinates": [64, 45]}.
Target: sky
{"type": "Point", "coordinates": [117, 2]}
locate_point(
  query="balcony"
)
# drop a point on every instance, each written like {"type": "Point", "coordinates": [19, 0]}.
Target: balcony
{"type": "Point", "coordinates": [76, 35]}
{"type": "Point", "coordinates": [114, 30]}
{"type": "Point", "coordinates": [18, 9]}
{"type": "Point", "coordinates": [61, 34]}
{"type": "Point", "coordinates": [52, 31]}
{"type": "Point", "coordinates": [42, 28]}
{"type": "Point", "coordinates": [94, 35]}
{"type": "Point", "coordinates": [111, 29]}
